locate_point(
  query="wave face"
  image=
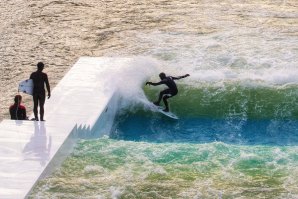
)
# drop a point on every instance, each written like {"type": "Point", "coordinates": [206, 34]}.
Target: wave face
{"type": "Point", "coordinates": [234, 101]}
{"type": "Point", "coordinates": [237, 135]}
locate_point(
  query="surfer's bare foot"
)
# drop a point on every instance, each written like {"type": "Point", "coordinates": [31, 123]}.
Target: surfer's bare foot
{"type": "Point", "coordinates": [166, 110]}
{"type": "Point", "coordinates": [156, 103]}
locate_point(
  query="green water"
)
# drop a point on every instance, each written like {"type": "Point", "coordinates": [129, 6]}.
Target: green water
{"type": "Point", "coordinates": [106, 168]}
{"type": "Point", "coordinates": [230, 100]}
{"type": "Point", "coordinates": [110, 168]}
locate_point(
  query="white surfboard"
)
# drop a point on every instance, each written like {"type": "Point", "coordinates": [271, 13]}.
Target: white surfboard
{"type": "Point", "coordinates": [153, 107]}
{"type": "Point", "coordinates": [169, 114]}
{"type": "Point", "coordinates": [26, 86]}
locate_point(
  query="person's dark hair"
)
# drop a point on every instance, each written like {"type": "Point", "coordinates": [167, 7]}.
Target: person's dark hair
{"type": "Point", "coordinates": [40, 65]}
{"type": "Point", "coordinates": [17, 99]}
{"type": "Point", "coordinates": [162, 75]}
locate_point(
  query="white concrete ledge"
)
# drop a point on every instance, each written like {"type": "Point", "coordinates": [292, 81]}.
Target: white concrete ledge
{"type": "Point", "coordinates": [82, 105]}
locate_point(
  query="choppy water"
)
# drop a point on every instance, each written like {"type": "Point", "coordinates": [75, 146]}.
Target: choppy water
{"type": "Point", "coordinates": [237, 135]}
{"type": "Point", "coordinates": [107, 168]}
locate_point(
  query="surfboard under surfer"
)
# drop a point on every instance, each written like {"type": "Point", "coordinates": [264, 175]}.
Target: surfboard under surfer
{"type": "Point", "coordinates": [170, 91]}
{"type": "Point", "coordinates": [39, 96]}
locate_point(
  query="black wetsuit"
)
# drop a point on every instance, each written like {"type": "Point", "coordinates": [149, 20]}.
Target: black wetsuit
{"type": "Point", "coordinates": [39, 95]}
{"type": "Point", "coordinates": [170, 91]}
{"type": "Point", "coordinates": [172, 88]}
{"type": "Point", "coordinates": [167, 93]}
{"type": "Point", "coordinates": [17, 112]}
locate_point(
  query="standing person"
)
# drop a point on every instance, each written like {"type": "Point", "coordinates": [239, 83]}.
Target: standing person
{"type": "Point", "coordinates": [39, 94]}
{"type": "Point", "coordinates": [170, 91]}
{"type": "Point", "coordinates": [17, 111]}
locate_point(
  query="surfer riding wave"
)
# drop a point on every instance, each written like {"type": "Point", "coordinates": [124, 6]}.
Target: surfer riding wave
{"type": "Point", "coordinates": [170, 91]}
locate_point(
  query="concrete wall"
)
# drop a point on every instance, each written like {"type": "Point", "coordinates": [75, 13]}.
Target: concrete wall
{"type": "Point", "coordinates": [101, 127]}
{"type": "Point", "coordinates": [83, 105]}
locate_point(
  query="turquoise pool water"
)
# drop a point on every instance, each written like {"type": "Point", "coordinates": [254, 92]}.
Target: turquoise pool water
{"type": "Point", "coordinates": [148, 155]}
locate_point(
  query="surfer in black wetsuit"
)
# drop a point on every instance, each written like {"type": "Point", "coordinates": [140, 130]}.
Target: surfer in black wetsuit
{"type": "Point", "coordinates": [39, 95]}
{"type": "Point", "coordinates": [170, 91]}
{"type": "Point", "coordinates": [17, 111]}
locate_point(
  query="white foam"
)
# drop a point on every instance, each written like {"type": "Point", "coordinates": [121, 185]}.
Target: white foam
{"type": "Point", "coordinates": [232, 55]}
{"type": "Point", "coordinates": [94, 169]}
{"type": "Point", "coordinates": [129, 80]}
{"type": "Point", "coordinates": [116, 192]}
{"type": "Point", "coordinates": [270, 76]}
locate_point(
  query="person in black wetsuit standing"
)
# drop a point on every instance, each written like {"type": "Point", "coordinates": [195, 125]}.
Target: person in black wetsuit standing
{"type": "Point", "coordinates": [17, 111]}
{"type": "Point", "coordinates": [170, 91]}
{"type": "Point", "coordinates": [39, 94]}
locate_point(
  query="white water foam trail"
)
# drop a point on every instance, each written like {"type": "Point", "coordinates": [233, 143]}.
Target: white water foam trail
{"type": "Point", "coordinates": [130, 79]}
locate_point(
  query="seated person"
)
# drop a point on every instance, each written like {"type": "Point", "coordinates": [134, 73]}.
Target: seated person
{"type": "Point", "coordinates": [17, 111]}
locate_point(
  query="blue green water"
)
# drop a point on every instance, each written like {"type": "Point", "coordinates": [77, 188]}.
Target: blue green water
{"type": "Point", "coordinates": [107, 168]}
{"type": "Point", "coordinates": [238, 115]}
{"type": "Point", "coordinates": [229, 154]}
{"type": "Point", "coordinates": [207, 130]}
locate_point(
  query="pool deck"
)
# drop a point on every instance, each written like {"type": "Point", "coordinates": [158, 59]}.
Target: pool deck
{"type": "Point", "coordinates": [30, 150]}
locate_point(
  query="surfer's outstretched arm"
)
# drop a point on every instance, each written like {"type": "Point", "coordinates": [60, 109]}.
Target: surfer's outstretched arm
{"type": "Point", "coordinates": [155, 84]}
{"type": "Point", "coordinates": [180, 77]}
